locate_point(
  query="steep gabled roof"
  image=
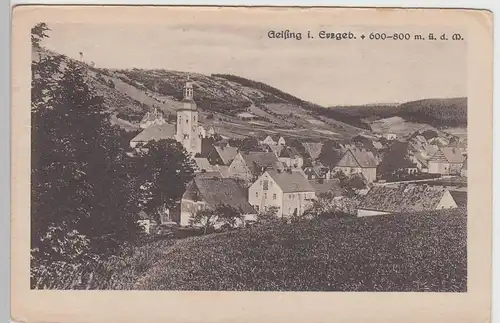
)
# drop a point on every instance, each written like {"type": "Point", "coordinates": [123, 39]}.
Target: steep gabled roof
{"type": "Point", "coordinates": [209, 174]}
{"type": "Point", "coordinates": [255, 161]}
{"type": "Point", "coordinates": [270, 137]}
{"type": "Point", "coordinates": [313, 149]}
{"type": "Point", "coordinates": [418, 156]}
{"type": "Point", "coordinates": [226, 153]}
{"type": "Point", "coordinates": [358, 158]}
{"type": "Point", "coordinates": [202, 163]}
{"type": "Point", "coordinates": [154, 115]}
{"type": "Point", "coordinates": [365, 158]}
{"type": "Point", "coordinates": [289, 152]}
{"type": "Point", "coordinates": [273, 148]}
{"type": "Point", "coordinates": [207, 145]}
{"type": "Point", "coordinates": [323, 186]}
{"type": "Point", "coordinates": [215, 191]}
{"type": "Point", "coordinates": [317, 168]}
{"type": "Point", "coordinates": [156, 132]}
{"type": "Point", "coordinates": [453, 154]}
{"type": "Point", "coordinates": [291, 182]}
{"type": "Point", "coordinates": [402, 198]}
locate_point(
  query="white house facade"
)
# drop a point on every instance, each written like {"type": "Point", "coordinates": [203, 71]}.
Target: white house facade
{"type": "Point", "coordinates": [289, 192]}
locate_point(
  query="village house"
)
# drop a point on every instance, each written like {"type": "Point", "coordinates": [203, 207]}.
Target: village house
{"type": "Point", "coordinates": [421, 163]}
{"type": "Point", "coordinates": [154, 132]}
{"type": "Point", "coordinates": [209, 174]}
{"type": "Point", "coordinates": [247, 166]}
{"type": "Point", "coordinates": [440, 141]}
{"type": "Point", "coordinates": [288, 191]}
{"type": "Point", "coordinates": [358, 161]}
{"type": "Point", "coordinates": [390, 136]}
{"type": "Point", "coordinates": [446, 161]}
{"type": "Point", "coordinates": [273, 140]}
{"type": "Point", "coordinates": [152, 118]}
{"type": "Point", "coordinates": [404, 198]}
{"type": "Point", "coordinates": [202, 132]}
{"type": "Point", "coordinates": [290, 157]}
{"type": "Point", "coordinates": [202, 164]}
{"type": "Point", "coordinates": [204, 192]}
{"type": "Point", "coordinates": [323, 187]}
{"type": "Point", "coordinates": [276, 149]}
{"type": "Point", "coordinates": [222, 155]}
{"type": "Point", "coordinates": [246, 116]}
{"type": "Point", "coordinates": [317, 171]}
{"type": "Point", "coordinates": [211, 132]}
{"type": "Point", "coordinates": [207, 145]}
{"type": "Point", "coordinates": [463, 171]}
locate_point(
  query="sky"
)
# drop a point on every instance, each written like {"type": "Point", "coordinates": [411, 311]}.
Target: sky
{"type": "Point", "coordinates": [325, 72]}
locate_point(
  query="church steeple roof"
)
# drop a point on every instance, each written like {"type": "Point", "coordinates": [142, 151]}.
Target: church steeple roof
{"type": "Point", "coordinates": [188, 99]}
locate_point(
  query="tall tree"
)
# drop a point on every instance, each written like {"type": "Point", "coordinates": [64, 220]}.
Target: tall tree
{"type": "Point", "coordinates": [166, 170]}
{"type": "Point", "coordinates": [82, 180]}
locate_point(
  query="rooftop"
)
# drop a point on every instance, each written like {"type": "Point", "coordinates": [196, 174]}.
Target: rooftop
{"type": "Point", "coordinates": [156, 132]}
{"type": "Point", "coordinates": [290, 181]}
{"type": "Point", "coordinates": [215, 191]}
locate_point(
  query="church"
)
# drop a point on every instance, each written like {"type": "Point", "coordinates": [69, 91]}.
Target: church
{"type": "Point", "coordinates": [186, 130]}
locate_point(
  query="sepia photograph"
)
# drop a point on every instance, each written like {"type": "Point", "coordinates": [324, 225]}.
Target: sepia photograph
{"type": "Point", "coordinates": [246, 150]}
{"type": "Point", "coordinates": [265, 171]}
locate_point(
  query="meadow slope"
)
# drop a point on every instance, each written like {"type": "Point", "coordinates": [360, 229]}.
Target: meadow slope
{"type": "Point", "coordinates": [414, 252]}
{"type": "Point", "coordinates": [129, 94]}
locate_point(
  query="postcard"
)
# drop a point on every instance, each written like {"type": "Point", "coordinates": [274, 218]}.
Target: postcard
{"type": "Point", "coordinates": [243, 164]}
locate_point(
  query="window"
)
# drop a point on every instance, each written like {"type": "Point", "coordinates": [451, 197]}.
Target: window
{"type": "Point", "coordinates": [265, 195]}
{"type": "Point", "coordinates": [194, 118]}
{"type": "Point", "coordinates": [266, 185]}
{"type": "Point", "coordinates": [293, 196]}
{"type": "Point", "coordinates": [274, 196]}
{"type": "Point", "coordinates": [256, 207]}
{"type": "Point", "coordinates": [187, 121]}
{"type": "Point", "coordinates": [256, 194]}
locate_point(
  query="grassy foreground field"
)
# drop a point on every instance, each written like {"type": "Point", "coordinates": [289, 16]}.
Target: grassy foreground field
{"type": "Point", "coordinates": [417, 252]}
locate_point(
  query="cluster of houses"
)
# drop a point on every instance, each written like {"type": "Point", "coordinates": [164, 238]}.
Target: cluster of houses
{"type": "Point", "coordinates": [277, 175]}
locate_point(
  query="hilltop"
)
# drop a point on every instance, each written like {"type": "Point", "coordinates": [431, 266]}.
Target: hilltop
{"type": "Point", "coordinates": [130, 93]}
{"type": "Point", "coordinates": [439, 113]}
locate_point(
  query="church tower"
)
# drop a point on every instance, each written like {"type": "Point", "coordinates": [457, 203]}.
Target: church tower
{"type": "Point", "coordinates": [187, 122]}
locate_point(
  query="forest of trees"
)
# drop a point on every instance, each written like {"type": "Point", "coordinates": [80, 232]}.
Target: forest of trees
{"type": "Point", "coordinates": [87, 191]}
{"type": "Point", "coordinates": [439, 113]}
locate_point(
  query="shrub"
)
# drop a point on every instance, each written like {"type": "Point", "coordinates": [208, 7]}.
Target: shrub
{"type": "Point", "coordinates": [270, 215]}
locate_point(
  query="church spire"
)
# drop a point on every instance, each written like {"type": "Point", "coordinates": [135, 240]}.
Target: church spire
{"type": "Point", "coordinates": [188, 90]}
